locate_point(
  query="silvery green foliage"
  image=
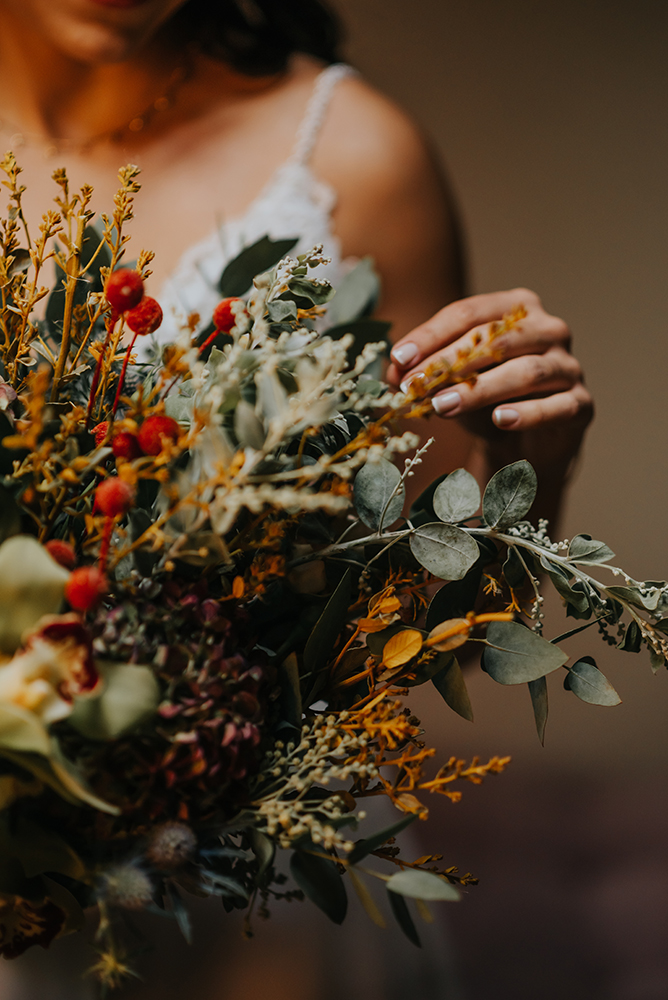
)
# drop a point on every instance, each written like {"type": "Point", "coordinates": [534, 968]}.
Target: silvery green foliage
{"type": "Point", "coordinates": [278, 380]}
{"type": "Point", "coordinates": [451, 540]}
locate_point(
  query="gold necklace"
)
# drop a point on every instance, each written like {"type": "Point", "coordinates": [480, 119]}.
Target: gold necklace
{"type": "Point", "coordinates": [138, 123]}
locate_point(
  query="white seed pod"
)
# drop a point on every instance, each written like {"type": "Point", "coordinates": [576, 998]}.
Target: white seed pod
{"type": "Point", "coordinates": [128, 886]}
{"type": "Point", "coordinates": [171, 845]}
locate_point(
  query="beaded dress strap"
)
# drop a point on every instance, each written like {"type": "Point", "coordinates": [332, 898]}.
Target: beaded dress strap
{"type": "Point", "coordinates": [316, 110]}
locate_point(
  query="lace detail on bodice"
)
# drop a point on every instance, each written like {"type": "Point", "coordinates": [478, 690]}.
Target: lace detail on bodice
{"type": "Point", "coordinates": [293, 204]}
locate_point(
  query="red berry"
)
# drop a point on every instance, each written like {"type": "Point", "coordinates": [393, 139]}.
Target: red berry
{"type": "Point", "coordinates": [100, 432]}
{"type": "Point", "coordinates": [85, 588]}
{"type": "Point", "coordinates": [114, 496]}
{"type": "Point", "coordinates": [144, 318]}
{"type": "Point", "coordinates": [154, 430]}
{"type": "Point", "coordinates": [126, 445]}
{"type": "Point", "coordinates": [124, 289]}
{"type": "Point", "coordinates": [62, 552]}
{"type": "Point", "coordinates": [223, 316]}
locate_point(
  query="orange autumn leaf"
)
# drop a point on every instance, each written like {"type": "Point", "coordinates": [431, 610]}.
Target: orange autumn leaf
{"type": "Point", "coordinates": [455, 632]}
{"type": "Point", "coordinates": [371, 625]}
{"type": "Point", "coordinates": [401, 648]}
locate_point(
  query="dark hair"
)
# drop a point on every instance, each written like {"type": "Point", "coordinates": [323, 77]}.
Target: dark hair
{"type": "Point", "coordinates": [257, 37]}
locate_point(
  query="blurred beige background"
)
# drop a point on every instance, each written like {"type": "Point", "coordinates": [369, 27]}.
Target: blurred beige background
{"type": "Point", "coordinates": [551, 117]}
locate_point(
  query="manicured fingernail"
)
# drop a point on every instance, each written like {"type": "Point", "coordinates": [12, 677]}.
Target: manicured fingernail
{"type": "Point", "coordinates": [405, 355]}
{"type": "Point", "coordinates": [446, 403]}
{"type": "Point", "coordinates": [505, 416]}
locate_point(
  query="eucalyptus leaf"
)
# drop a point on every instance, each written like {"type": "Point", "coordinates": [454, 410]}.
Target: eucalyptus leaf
{"type": "Point", "coordinates": [248, 427]}
{"type": "Point", "coordinates": [586, 550]}
{"type": "Point", "coordinates": [516, 655]}
{"type": "Point", "coordinates": [307, 292]}
{"type": "Point", "coordinates": [419, 884]}
{"type": "Point", "coordinates": [402, 916]}
{"type": "Point", "coordinates": [375, 641]}
{"type": "Point", "coordinates": [538, 692]}
{"type": "Point", "coordinates": [559, 577]}
{"type": "Point", "coordinates": [280, 312]}
{"type": "Point", "coordinates": [444, 550]}
{"type": "Point", "coordinates": [32, 584]}
{"type": "Point", "coordinates": [319, 879]}
{"type": "Point", "coordinates": [264, 850]}
{"type": "Point", "coordinates": [378, 494]}
{"type": "Point", "coordinates": [376, 840]}
{"type": "Point", "coordinates": [328, 627]}
{"type": "Point", "coordinates": [457, 497]}
{"type": "Point", "coordinates": [632, 641]}
{"type": "Point", "coordinates": [633, 596]}
{"type": "Point", "coordinates": [238, 276]}
{"type": "Point", "coordinates": [586, 681]}
{"type": "Point", "coordinates": [356, 295]}
{"type": "Point", "coordinates": [179, 408]}
{"type": "Point", "coordinates": [426, 669]}
{"type": "Point", "coordinates": [513, 569]}
{"type": "Point", "coordinates": [450, 684]}
{"type": "Point", "coordinates": [509, 495]}
{"type": "Point", "coordinates": [291, 699]}
{"type": "Point", "coordinates": [456, 598]}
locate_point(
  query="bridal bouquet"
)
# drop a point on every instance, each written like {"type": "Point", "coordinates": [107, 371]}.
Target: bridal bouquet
{"type": "Point", "coordinates": [214, 601]}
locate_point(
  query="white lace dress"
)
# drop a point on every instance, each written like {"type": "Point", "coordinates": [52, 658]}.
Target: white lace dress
{"type": "Point", "coordinates": [294, 203]}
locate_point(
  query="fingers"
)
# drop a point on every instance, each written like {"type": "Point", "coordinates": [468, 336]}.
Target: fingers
{"type": "Point", "coordinates": [456, 320]}
{"type": "Point", "coordinates": [529, 375]}
{"type": "Point", "coordinates": [573, 406]}
{"type": "Point", "coordinates": [536, 334]}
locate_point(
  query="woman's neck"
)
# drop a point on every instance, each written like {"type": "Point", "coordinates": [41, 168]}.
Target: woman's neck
{"type": "Point", "coordinates": [45, 91]}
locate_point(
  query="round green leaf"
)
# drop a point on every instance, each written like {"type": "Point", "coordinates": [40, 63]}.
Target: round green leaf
{"type": "Point", "coordinates": [586, 681]}
{"type": "Point", "coordinates": [444, 550]}
{"type": "Point", "coordinates": [377, 487]}
{"type": "Point", "coordinates": [422, 885]}
{"type": "Point", "coordinates": [457, 497]}
{"type": "Point", "coordinates": [509, 495]}
{"type": "Point", "coordinates": [586, 550]}
{"type": "Point", "coordinates": [516, 655]}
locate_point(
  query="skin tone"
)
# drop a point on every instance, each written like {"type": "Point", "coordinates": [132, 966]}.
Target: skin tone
{"type": "Point", "coordinates": [72, 69]}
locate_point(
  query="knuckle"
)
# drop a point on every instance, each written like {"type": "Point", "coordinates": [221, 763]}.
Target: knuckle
{"type": "Point", "coordinates": [465, 312]}
{"type": "Point", "coordinates": [560, 332]}
{"type": "Point", "coordinates": [536, 368]}
{"type": "Point", "coordinates": [527, 297]}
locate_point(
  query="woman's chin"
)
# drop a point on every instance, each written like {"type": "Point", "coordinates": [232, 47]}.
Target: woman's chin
{"type": "Point", "coordinates": [95, 31]}
{"type": "Point", "coordinates": [91, 42]}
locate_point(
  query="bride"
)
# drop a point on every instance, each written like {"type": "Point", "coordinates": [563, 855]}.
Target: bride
{"type": "Point", "coordinates": [244, 123]}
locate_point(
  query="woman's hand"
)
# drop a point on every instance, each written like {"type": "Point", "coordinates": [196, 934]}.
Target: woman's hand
{"type": "Point", "coordinates": [529, 378]}
{"type": "Point", "coordinates": [528, 384]}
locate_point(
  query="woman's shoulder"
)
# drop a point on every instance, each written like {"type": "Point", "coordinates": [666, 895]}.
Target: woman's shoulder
{"type": "Point", "coordinates": [366, 134]}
